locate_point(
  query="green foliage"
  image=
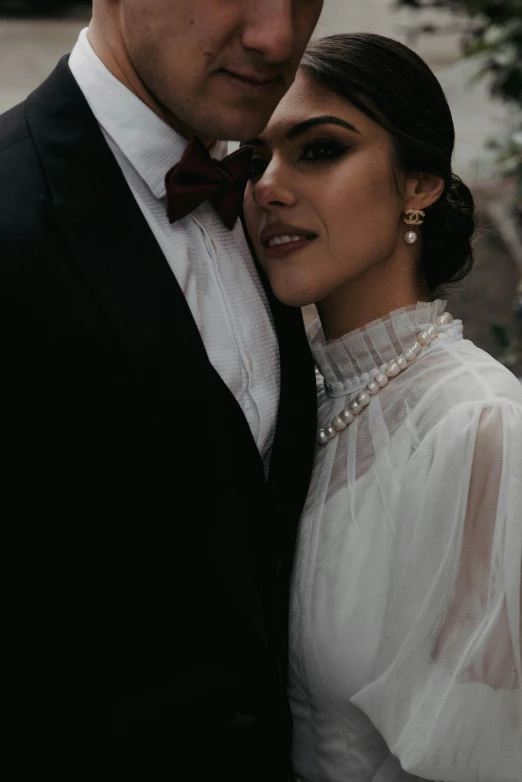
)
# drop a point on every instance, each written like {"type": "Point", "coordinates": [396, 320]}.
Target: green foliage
{"type": "Point", "coordinates": [495, 31]}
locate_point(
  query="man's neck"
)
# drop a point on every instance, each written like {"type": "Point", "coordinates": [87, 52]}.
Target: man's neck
{"type": "Point", "coordinates": [113, 55]}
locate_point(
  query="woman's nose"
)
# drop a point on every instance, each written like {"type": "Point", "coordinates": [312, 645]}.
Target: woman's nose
{"type": "Point", "coordinates": [274, 189]}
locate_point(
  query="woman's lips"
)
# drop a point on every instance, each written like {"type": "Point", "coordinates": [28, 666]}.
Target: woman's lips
{"type": "Point", "coordinates": [286, 249]}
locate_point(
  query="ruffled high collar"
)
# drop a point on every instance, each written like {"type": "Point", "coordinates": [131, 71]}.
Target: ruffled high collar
{"type": "Point", "coordinates": [349, 362]}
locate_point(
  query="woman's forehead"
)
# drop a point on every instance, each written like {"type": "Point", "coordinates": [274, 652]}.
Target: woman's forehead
{"type": "Point", "coordinates": [307, 99]}
{"type": "Point", "coordinates": [305, 96]}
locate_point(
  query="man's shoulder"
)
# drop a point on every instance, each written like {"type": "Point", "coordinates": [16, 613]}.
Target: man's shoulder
{"type": "Point", "coordinates": [14, 130]}
{"type": "Point", "coordinates": [22, 183]}
{"type": "Point", "coordinates": [19, 163]}
{"type": "Point", "coordinates": [19, 156]}
{"type": "Point", "coordinates": [20, 167]}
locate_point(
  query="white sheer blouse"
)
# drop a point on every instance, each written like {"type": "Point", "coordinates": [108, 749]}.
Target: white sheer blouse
{"type": "Point", "coordinates": [405, 656]}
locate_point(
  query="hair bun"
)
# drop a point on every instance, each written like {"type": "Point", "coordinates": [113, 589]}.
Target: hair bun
{"type": "Point", "coordinates": [447, 251]}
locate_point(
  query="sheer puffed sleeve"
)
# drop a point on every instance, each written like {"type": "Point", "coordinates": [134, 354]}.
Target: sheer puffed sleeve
{"type": "Point", "coordinates": [445, 689]}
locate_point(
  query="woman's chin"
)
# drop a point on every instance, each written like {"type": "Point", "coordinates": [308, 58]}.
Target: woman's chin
{"type": "Point", "coordinates": [293, 299]}
{"type": "Point", "coordinates": [293, 293]}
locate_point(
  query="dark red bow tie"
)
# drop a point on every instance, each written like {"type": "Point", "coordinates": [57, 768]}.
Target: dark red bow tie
{"type": "Point", "coordinates": [198, 178]}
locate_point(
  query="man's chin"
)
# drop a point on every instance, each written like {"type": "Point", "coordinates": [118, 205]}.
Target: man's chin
{"type": "Point", "coordinates": [241, 121]}
{"type": "Point", "coordinates": [241, 125]}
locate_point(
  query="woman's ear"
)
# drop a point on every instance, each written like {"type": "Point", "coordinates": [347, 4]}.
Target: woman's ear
{"type": "Point", "coordinates": [422, 190]}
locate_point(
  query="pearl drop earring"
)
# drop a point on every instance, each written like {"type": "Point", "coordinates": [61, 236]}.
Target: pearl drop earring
{"type": "Point", "coordinates": [412, 217]}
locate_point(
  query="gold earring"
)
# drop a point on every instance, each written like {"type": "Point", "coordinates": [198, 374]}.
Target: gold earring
{"type": "Point", "coordinates": [412, 217]}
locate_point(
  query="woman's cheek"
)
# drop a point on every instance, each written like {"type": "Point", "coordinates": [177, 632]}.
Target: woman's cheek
{"type": "Point", "coordinates": [249, 210]}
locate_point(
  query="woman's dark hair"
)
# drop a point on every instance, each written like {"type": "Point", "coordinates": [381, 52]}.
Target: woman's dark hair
{"type": "Point", "coordinates": [394, 87]}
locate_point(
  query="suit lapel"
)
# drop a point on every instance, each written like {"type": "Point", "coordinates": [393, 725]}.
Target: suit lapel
{"type": "Point", "coordinates": [117, 255]}
{"type": "Point", "coordinates": [121, 263]}
{"type": "Point", "coordinates": [294, 444]}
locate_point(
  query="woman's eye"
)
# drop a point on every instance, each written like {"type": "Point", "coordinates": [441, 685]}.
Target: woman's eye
{"type": "Point", "coordinates": [322, 150]}
{"type": "Point", "coordinates": [259, 166]}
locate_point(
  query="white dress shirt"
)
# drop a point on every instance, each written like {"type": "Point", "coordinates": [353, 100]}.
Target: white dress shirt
{"type": "Point", "coordinates": [212, 265]}
{"type": "Point", "coordinates": [405, 659]}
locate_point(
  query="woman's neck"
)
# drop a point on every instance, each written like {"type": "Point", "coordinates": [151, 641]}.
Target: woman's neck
{"type": "Point", "coordinates": [372, 295]}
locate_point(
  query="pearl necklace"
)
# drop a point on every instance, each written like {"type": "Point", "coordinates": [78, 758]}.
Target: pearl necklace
{"type": "Point", "coordinates": [381, 378]}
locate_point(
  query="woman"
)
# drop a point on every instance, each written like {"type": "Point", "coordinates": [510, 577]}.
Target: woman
{"type": "Point", "coordinates": [405, 619]}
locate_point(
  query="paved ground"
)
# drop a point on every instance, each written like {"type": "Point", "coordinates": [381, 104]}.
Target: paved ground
{"type": "Point", "coordinates": [29, 49]}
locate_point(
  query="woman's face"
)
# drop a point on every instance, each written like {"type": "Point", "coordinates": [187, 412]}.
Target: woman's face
{"type": "Point", "coordinates": [323, 205]}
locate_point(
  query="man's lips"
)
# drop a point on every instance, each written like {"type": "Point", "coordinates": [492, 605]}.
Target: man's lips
{"type": "Point", "coordinates": [253, 81]}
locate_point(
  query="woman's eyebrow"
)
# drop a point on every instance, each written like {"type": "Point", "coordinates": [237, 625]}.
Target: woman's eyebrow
{"type": "Point", "coordinates": [327, 119]}
{"type": "Point", "coordinates": [302, 127]}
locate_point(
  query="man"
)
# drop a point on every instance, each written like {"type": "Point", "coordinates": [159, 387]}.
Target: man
{"type": "Point", "coordinates": [157, 403]}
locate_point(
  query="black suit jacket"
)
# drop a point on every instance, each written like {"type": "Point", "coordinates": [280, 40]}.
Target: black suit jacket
{"type": "Point", "coordinates": [147, 559]}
